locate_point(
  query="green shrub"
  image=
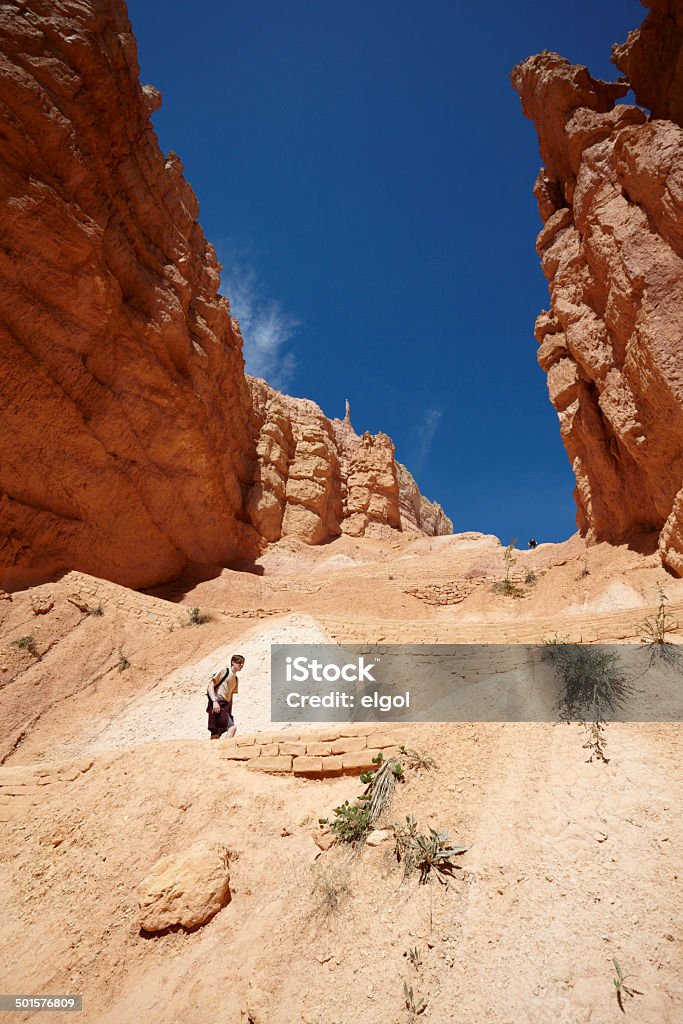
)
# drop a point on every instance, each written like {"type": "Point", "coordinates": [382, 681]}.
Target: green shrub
{"type": "Point", "coordinates": [351, 822]}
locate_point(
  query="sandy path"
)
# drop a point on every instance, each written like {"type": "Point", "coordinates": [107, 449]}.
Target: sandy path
{"type": "Point", "coordinates": [566, 872]}
{"type": "Point", "coordinates": [176, 707]}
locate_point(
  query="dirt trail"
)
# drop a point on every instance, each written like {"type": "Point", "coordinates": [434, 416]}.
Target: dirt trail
{"type": "Point", "coordinates": [569, 863]}
{"type": "Point", "coordinates": [572, 864]}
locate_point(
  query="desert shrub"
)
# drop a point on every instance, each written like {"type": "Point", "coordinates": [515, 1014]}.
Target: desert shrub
{"type": "Point", "coordinates": [351, 822]}
{"type": "Point", "coordinates": [197, 617]}
{"type": "Point", "coordinates": [425, 853]}
{"type": "Point", "coordinates": [26, 643]}
{"type": "Point", "coordinates": [530, 578]}
{"type": "Point", "coordinates": [416, 761]}
{"type": "Point", "coordinates": [595, 686]}
{"type": "Point", "coordinates": [123, 662]}
{"type": "Point", "coordinates": [379, 785]}
{"type": "Point", "coordinates": [329, 884]}
{"type": "Point", "coordinates": [434, 853]}
{"type": "Point", "coordinates": [656, 629]}
{"type": "Point", "coordinates": [508, 588]}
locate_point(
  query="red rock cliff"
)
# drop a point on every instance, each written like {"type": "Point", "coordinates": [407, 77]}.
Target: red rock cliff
{"type": "Point", "coordinates": [610, 195]}
{"type": "Point", "coordinates": [128, 436]}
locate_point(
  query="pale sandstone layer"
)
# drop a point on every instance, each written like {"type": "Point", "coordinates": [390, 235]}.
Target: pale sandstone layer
{"type": "Point", "coordinates": [128, 436]}
{"type": "Point", "coordinates": [611, 198]}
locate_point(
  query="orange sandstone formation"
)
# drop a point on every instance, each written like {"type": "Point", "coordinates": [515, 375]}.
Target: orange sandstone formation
{"type": "Point", "coordinates": [129, 444]}
{"type": "Point", "coordinates": [316, 478]}
{"type": "Point", "coordinates": [610, 195]}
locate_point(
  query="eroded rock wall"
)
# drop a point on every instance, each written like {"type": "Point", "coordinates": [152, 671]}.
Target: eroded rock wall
{"type": "Point", "coordinates": [124, 441]}
{"type": "Point", "coordinates": [610, 195]}
{"type": "Point", "coordinates": [131, 443]}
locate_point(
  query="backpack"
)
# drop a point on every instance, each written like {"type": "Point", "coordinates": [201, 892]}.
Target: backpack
{"type": "Point", "coordinates": [223, 676]}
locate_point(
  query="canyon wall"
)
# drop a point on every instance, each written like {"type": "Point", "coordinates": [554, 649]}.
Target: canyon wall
{"type": "Point", "coordinates": [610, 195]}
{"type": "Point", "coordinates": [131, 442]}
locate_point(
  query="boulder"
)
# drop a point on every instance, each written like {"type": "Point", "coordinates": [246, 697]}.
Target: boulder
{"type": "Point", "coordinates": [185, 889]}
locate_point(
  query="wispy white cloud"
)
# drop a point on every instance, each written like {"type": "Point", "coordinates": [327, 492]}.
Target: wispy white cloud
{"type": "Point", "coordinates": [267, 328]}
{"type": "Point", "coordinates": [425, 433]}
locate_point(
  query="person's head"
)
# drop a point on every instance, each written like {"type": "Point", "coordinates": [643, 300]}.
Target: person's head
{"type": "Point", "coordinates": [237, 662]}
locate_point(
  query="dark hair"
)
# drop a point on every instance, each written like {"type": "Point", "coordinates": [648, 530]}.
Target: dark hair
{"type": "Point", "coordinates": [237, 657]}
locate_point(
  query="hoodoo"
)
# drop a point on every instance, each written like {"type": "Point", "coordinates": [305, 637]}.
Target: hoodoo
{"type": "Point", "coordinates": [610, 195]}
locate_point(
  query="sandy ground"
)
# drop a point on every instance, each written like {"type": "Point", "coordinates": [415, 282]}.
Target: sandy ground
{"type": "Point", "coordinates": [569, 865]}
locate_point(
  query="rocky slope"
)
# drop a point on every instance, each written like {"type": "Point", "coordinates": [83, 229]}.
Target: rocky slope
{"type": "Point", "coordinates": [129, 444]}
{"type": "Point", "coordinates": [611, 198]}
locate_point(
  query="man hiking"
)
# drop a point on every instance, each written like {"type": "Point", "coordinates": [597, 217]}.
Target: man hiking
{"type": "Point", "coordinates": [220, 691]}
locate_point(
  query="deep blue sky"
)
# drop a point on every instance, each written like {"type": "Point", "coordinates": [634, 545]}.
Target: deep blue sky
{"type": "Point", "coordinates": [365, 172]}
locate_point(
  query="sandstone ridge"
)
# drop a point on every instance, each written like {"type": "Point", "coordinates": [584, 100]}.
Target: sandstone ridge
{"type": "Point", "coordinates": [316, 478]}
{"type": "Point", "coordinates": [132, 442]}
{"type": "Point", "coordinates": [610, 195]}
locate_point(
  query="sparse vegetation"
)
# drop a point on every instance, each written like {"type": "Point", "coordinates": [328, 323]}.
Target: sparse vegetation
{"type": "Point", "coordinates": [415, 956]}
{"type": "Point", "coordinates": [95, 609]}
{"type": "Point", "coordinates": [656, 629]}
{"type": "Point", "coordinates": [351, 822]}
{"type": "Point", "coordinates": [507, 586]}
{"type": "Point", "coordinates": [330, 884]}
{"type": "Point", "coordinates": [123, 663]}
{"type": "Point", "coordinates": [404, 844]}
{"type": "Point", "coordinates": [595, 687]}
{"type": "Point", "coordinates": [425, 853]}
{"type": "Point", "coordinates": [197, 617]}
{"type": "Point", "coordinates": [433, 853]}
{"type": "Point", "coordinates": [622, 989]}
{"type": "Point", "coordinates": [380, 783]}
{"type": "Point", "coordinates": [26, 643]}
{"type": "Point", "coordinates": [414, 1006]}
{"type": "Point", "coordinates": [530, 578]}
{"type": "Point", "coordinates": [418, 762]}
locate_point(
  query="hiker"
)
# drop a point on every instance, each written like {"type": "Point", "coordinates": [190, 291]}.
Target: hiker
{"type": "Point", "coordinates": [220, 691]}
{"type": "Point", "coordinates": [532, 542]}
